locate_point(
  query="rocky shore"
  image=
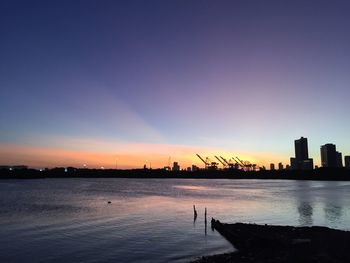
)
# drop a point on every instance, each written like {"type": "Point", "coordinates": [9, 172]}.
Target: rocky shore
{"type": "Point", "coordinates": [267, 243]}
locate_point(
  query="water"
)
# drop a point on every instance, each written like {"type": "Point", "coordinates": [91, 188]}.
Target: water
{"type": "Point", "coordinates": [151, 220]}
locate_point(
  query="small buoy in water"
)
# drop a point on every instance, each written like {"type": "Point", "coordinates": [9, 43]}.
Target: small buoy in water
{"type": "Point", "coordinates": [109, 202]}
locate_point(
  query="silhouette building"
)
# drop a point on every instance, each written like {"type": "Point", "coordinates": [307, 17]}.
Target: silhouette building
{"type": "Point", "coordinates": [330, 157]}
{"type": "Point", "coordinates": [272, 166]}
{"type": "Point", "coordinates": [339, 159]}
{"type": "Point", "coordinates": [280, 166]}
{"type": "Point", "coordinates": [194, 168]}
{"type": "Point", "coordinates": [347, 162]}
{"type": "Point", "coordinates": [301, 149]}
{"type": "Point", "coordinates": [301, 161]}
{"type": "Point", "coordinates": [176, 166]}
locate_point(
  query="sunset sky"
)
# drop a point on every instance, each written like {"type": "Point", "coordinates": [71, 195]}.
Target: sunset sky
{"type": "Point", "coordinates": [136, 82]}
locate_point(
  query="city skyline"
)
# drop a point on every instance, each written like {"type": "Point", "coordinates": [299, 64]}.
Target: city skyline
{"type": "Point", "coordinates": [301, 161]}
{"type": "Point", "coordinates": [129, 83]}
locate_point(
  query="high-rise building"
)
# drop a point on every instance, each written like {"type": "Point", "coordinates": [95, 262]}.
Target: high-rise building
{"type": "Point", "coordinates": [176, 166]}
{"type": "Point", "coordinates": [301, 160]}
{"type": "Point", "coordinates": [301, 149]}
{"type": "Point", "coordinates": [329, 155]}
{"type": "Point", "coordinates": [339, 159]}
{"type": "Point", "coordinates": [293, 163]}
{"type": "Point", "coordinates": [347, 162]}
{"type": "Point", "coordinates": [194, 168]}
{"type": "Point", "coordinates": [280, 166]}
{"type": "Point", "coordinates": [272, 166]}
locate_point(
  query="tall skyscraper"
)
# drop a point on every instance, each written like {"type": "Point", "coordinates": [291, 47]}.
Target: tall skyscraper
{"type": "Point", "coordinates": [347, 162]}
{"type": "Point", "coordinates": [301, 160]}
{"type": "Point", "coordinates": [329, 156]}
{"type": "Point", "coordinates": [301, 150]}
{"type": "Point", "coordinates": [272, 166]}
{"type": "Point", "coordinates": [339, 159]}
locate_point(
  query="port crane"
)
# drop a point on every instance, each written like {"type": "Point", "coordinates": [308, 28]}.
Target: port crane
{"type": "Point", "coordinates": [238, 164]}
{"type": "Point", "coordinates": [246, 165]}
{"type": "Point", "coordinates": [213, 165]}
{"type": "Point", "coordinates": [240, 161]}
{"type": "Point", "coordinates": [204, 161]}
{"type": "Point", "coordinates": [223, 163]}
{"type": "Point", "coordinates": [208, 163]}
{"type": "Point", "coordinates": [230, 164]}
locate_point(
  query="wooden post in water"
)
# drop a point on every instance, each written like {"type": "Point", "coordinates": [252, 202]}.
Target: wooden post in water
{"type": "Point", "coordinates": [205, 221]}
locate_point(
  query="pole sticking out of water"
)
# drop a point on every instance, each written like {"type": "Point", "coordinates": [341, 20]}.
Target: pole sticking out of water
{"type": "Point", "coordinates": [194, 212]}
{"type": "Point", "coordinates": [205, 221]}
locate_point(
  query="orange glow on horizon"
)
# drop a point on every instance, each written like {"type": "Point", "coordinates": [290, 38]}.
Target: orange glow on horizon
{"type": "Point", "coordinates": [128, 156]}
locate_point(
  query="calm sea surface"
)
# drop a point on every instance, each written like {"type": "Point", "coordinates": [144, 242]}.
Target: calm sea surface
{"type": "Point", "coordinates": [151, 220]}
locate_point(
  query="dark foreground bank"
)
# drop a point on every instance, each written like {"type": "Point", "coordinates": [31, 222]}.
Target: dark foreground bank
{"type": "Point", "coordinates": [327, 174]}
{"type": "Point", "coordinates": [265, 243]}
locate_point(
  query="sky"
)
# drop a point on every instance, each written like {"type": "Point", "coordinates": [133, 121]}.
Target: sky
{"type": "Point", "coordinates": [128, 83]}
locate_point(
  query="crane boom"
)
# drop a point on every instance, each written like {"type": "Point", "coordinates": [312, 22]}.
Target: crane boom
{"type": "Point", "coordinates": [222, 158]}
{"type": "Point", "coordinates": [240, 161]}
{"type": "Point", "coordinates": [224, 164]}
{"type": "Point", "coordinates": [230, 164]}
{"type": "Point", "coordinates": [202, 159]}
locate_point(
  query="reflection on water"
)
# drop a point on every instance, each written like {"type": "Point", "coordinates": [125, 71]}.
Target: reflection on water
{"type": "Point", "coordinates": [305, 213]}
{"type": "Point", "coordinates": [304, 203]}
{"type": "Point", "coordinates": [195, 187]}
{"type": "Point", "coordinates": [333, 213]}
{"type": "Point", "coordinates": [326, 197]}
{"type": "Point", "coordinates": [151, 220]}
{"type": "Point", "coordinates": [333, 207]}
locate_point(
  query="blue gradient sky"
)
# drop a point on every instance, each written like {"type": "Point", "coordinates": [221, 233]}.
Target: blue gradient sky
{"type": "Point", "coordinates": [240, 77]}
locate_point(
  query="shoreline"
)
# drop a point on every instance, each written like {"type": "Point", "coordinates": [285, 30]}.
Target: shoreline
{"type": "Point", "coordinates": [270, 243]}
{"type": "Point", "coordinates": [322, 174]}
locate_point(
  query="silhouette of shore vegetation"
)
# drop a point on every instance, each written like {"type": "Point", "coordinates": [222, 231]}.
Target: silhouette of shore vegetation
{"type": "Point", "coordinates": [329, 174]}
